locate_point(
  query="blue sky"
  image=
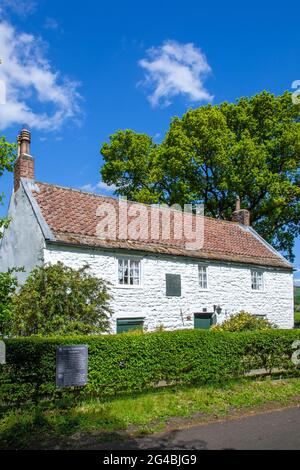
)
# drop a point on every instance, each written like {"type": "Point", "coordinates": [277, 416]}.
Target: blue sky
{"type": "Point", "coordinates": [78, 71]}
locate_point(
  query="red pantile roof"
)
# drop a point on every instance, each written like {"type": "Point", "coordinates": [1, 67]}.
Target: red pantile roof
{"type": "Point", "coordinates": [72, 217]}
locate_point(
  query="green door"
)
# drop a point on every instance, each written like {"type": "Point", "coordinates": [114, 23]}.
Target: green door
{"type": "Point", "coordinates": [203, 321]}
{"type": "Point", "coordinates": [127, 324]}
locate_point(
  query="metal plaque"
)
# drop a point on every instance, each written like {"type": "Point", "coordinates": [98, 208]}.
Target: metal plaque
{"type": "Point", "coordinates": [71, 365]}
{"type": "Point", "coordinates": [2, 352]}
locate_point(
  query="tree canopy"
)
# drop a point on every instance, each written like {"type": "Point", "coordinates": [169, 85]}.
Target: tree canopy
{"type": "Point", "coordinates": [7, 158]}
{"type": "Point", "coordinates": [210, 155]}
{"type": "Point", "coordinates": [56, 299]}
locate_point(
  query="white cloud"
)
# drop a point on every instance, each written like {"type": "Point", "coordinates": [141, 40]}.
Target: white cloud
{"type": "Point", "coordinates": [20, 7]}
{"type": "Point", "coordinates": [100, 187]}
{"type": "Point", "coordinates": [36, 94]}
{"type": "Point", "coordinates": [173, 69]}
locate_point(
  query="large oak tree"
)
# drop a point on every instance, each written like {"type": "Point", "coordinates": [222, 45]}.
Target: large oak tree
{"type": "Point", "coordinates": [250, 148]}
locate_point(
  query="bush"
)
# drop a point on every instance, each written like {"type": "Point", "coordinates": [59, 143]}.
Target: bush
{"type": "Point", "coordinates": [8, 286]}
{"type": "Point", "coordinates": [56, 299]}
{"type": "Point", "coordinates": [127, 363]}
{"type": "Point", "coordinates": [244, 321]}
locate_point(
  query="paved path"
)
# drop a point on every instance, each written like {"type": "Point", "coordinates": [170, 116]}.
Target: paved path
{"type": "Point", "coordinates": [272, 430]}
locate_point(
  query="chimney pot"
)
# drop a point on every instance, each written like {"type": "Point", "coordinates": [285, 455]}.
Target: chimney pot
{"type": "Point", "coordinates": [24, 165]}
{"type": "Point", "coordinates": [25, 138]}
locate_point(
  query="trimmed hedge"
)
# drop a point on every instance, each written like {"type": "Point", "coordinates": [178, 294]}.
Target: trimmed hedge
{"type": "Point", "coordinates": [133, 362]}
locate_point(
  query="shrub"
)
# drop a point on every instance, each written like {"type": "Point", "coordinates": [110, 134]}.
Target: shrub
{"type": "Point", "coordinates": [8, 286]}
{"type": "Point", "coordinates": [56, 299]}
{"type": "Point", "coordinates": [127, 363]}
{"type": "Point", "coordinates": [244, 321]}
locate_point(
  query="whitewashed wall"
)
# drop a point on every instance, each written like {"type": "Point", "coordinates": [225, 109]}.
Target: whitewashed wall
{"type": "Point", "coordinates": [228, 286]}
{"type": "Point", "coordinates": [23, 242]}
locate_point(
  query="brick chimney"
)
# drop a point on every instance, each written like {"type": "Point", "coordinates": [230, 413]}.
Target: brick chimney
{"type": "Point", "coordinates": [24, 165]}
{"type": "Point", "coordinates": [242, 216]}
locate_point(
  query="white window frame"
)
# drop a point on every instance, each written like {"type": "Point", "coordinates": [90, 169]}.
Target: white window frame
{"type": "Point", "coordinates": [258, 274]}
{"type": "Point", "coordinates": [201, 267]}
{"type": "Point", "coordinates": [129, 260]}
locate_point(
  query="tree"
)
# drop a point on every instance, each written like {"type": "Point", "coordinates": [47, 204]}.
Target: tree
{"type": "Point", "coordinates": [7, 158]}
{"type": "Point", "coordinates": [131, 162]}
{"type": "Point", "coordinates": [250, 148]}
{"type": "Point", "coordinates": [8, 286]}
{"type": "Point", "coordinates": [56, 299]}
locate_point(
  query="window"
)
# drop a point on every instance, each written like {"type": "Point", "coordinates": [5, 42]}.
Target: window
{"type": "Point", "coordinates": [127, 324]}
{"type": "Point", "coordinates": [257, 280]}
{"type": "Point", "coordinates": [129, 272]}
{"type": "Point", "coordinates": [202, 272]}
{"type": "Point", "coordinates": [173, 285]}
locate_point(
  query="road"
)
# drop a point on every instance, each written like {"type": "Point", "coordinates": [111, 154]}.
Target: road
{"type": "Point", "coordinates": [272, 430]}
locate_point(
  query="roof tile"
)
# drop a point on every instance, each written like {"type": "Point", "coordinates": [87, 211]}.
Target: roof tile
{"type": "Point", "coordinates": [72, 217]}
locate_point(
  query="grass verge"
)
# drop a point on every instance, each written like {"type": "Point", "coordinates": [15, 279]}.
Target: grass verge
{"type": "Point", "coordinates": [73, 425]}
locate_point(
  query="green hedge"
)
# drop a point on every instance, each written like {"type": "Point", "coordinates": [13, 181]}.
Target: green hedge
{"type": "Point", "coordinates": [132, 362]}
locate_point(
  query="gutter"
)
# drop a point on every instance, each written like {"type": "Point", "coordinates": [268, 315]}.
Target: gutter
{"type": "Point", "coordinates": [167, 255]}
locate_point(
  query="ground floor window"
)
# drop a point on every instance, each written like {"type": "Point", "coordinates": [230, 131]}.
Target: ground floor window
{"type": "Point", "coordinates": [204, 321]}
{"type": "Point", "coordinates": [127, 324]}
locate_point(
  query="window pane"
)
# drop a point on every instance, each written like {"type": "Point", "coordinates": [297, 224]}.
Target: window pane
{"type": "Point", "coordinates": [126, 272]}
{"type": "Point", "coordinates": [121, 272]}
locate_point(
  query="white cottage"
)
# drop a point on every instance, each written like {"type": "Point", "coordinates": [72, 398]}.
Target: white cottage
{"type": "Point", "coordinates": [155, 281]}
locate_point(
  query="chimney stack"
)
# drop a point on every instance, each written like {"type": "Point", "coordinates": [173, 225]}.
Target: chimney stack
{"type": "Point", "coordinates": [24, 165]}
{"type": "Point", "coordinates": [242, 216]}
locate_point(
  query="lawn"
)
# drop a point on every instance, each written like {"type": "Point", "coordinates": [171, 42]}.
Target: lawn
{"type": "Point", "coordinates": [74, 425]}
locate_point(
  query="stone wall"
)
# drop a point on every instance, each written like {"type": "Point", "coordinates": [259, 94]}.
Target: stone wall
{"type": "Point", "coordinates": [229, 285]}
{"type": "Point", "coordinates": [23, 242]}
